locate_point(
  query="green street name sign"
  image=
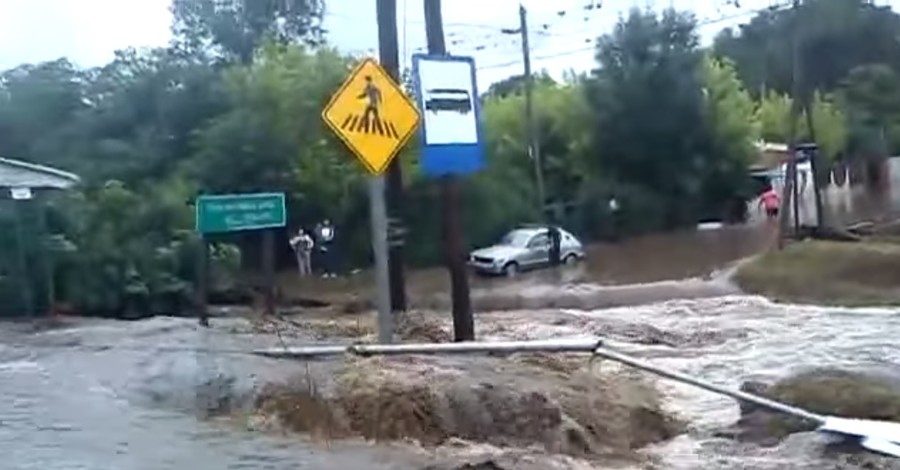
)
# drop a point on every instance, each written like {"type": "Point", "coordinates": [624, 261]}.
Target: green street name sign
{"type": "Point", "coordinates": [239, 212]}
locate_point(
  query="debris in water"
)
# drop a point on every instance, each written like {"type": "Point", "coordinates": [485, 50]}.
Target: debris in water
{"type": "Point", "coordinates": [829, 391]}
{"type": "Point", "coordinates": [432, 400]}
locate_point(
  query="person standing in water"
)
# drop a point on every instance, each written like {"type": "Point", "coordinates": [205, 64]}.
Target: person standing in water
{"type": "Point", "coordinates": [770, 201]}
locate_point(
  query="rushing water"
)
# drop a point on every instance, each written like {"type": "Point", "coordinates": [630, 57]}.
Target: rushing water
{"type": "Point", "coordinates": [107, 395]}
{"type": "Point", "coordinates": [66, 404]}
{"type": "Point", "coordinates": [740, 338]}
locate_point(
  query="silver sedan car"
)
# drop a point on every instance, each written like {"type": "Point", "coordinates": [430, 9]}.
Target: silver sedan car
{"type": "Point", "coordinates": [524, 248]}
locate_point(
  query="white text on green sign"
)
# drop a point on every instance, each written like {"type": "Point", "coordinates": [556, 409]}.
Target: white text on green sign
{"type": "Point", "coordinates": [239, 212]}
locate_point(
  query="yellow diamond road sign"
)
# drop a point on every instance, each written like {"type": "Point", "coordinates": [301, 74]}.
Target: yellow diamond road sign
{"type": "Point", "coordinates": [372, 115]}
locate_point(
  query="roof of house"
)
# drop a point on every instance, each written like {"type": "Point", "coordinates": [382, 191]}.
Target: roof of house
{"type": "Point", "coordinates": [19, 174]}
{"type": "Point", "coordinates": [770, 155]}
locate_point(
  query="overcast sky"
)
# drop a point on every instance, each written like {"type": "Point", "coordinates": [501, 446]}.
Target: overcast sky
{"type": "Point", "coordinates": [88, 31]}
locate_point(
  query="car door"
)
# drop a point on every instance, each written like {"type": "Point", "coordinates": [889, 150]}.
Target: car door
{"type": "Point", "coordinates": [538, 250]}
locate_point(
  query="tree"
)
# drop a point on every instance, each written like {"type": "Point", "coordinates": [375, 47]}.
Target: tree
{"type": "Point", "coordinates": [836, 37]}
{"type": "Point", "coordinates": [731, 114]}
{"type": "Point", "coordinates": [127, 254]}
{"type": "Point", "coordinates": [774, 115]}
{"type": "Point", "coordinates": [36, 100]}
{"type": "Point", "coordinates": [234, 29]}
{"type": "Point", "coordinates": [508, 182]}
{"type": "Point", "coordinates": [871, 97]}
{"type": "Point", "coordinates": [272, 138]}
{"type": "Point", "coordinates": [647, 103]}
{"type": "Point", "coordinates": [829, 122]}
{"type": "Point", "coordinates": [830, 127]}
{"type": "Point", "coordinates": [516, 84]}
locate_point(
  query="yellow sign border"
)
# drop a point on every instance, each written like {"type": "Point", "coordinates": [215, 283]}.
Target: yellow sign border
{"type": "Point", "coordinates": [402, 141]}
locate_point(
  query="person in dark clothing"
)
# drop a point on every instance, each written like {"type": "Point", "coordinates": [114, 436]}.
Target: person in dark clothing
{"type": "Point", "coordinates": [555, 248]}
{"type": "Point", "coordinates": [615, 222]}
{"type": "Point", "coordinates": [325, 235]}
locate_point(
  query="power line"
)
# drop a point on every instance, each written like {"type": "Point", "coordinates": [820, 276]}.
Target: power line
{"type": "Point", "coordinates": [349, 16]}
{"type": "Point", "coordinates": [538, 57]}
{"type": "Point", "coordinates": [500, 39]}
{"type": "Point", "coordinates": [582, 13]}
{"type": "Point", "coordinates": [590, 48]}
{"type": "Point", "coordinates": [504, 38]}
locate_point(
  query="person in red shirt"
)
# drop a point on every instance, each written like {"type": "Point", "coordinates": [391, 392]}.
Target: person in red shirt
{"type": "Point", "coordinates": [770, 201]}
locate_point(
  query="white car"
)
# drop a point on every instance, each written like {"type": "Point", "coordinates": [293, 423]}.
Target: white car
{"type": "Point", "coordinates": [525, 248]}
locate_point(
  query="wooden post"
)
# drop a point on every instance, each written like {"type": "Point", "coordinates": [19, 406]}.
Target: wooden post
{"type": "Point", "coordinates": [268, 259]}
{"type": "Point", "coordinates": [463, 323]}
{"type": "Point", "coordinates": [202, 287]}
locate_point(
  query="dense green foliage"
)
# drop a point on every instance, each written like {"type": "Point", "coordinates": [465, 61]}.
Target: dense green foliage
{"type": "Point", "coordinates": [232, 105]}
{"type": "Point", "coordinates": [848, 57]}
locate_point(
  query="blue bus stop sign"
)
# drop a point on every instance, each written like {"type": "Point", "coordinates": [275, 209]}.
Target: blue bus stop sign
{"type": "Point", "coordinates": [447, 96]}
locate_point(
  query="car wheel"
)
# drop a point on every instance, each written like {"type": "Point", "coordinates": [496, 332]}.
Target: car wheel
{"type": "Point", "coordinates": [511, 269]}
{"type": "Point", "coordinates": [570, 259]}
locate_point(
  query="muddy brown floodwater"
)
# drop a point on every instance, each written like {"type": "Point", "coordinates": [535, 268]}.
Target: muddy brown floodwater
{"type": "Point", "coordinates": [728, 340]}
{"type": "Point", "coordinates": [95, 395]}
{"type": "Point", "coordinates": [632, 271]}
{"type": "Point", "coordinates": [115, 395]}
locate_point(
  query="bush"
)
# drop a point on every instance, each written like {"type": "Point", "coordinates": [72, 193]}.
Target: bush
{"type": "Point", "coordinates": [124, 253]}
{"type": "Point", "coordinates": [831, 273]}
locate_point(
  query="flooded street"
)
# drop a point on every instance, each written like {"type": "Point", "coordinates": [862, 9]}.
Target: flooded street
{"type": "Point", "coordinates": [154, 395]}
{"type": "Point", "coordinates": [732, 339]}
{"type": "Point", "coordinates": [123, 396]}
{"type": "Point", "coordinates": [107, 395]}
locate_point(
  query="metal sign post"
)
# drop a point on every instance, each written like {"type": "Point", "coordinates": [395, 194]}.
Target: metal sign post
{"type": "Point", "coordinates": [379, 218]}
{"type": "Point", "coordinates": [372, 115]}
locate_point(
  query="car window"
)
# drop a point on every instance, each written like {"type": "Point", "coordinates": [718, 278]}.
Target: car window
{"type": "Point", "coordinates": [516, 238]}
{"type": "Point", "coordinates": [539, 241]}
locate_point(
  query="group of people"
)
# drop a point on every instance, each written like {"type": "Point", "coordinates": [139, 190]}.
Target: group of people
{"type": "Point", "coordinates": [320, 242]}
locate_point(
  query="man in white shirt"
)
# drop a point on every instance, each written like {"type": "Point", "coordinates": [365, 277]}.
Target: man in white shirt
{"type": "Point", "coordinates": [302, 244]}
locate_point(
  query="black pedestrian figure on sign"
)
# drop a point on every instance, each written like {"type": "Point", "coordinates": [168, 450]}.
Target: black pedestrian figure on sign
{"type": "Point", "coordinates": [373, 95]}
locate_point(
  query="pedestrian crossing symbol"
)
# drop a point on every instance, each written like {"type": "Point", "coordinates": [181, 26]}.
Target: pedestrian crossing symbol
{"type": "Point", "coordinates": [372, 115]}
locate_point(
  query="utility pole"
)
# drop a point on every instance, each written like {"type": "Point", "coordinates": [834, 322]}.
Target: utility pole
{"type": "Point", "coordinates": [534, 150]}
{"type": "Point", "coordinates": [463, 323]}
{"type": "Point", "coordinates": [532, 132]}
{"type": "Point", "coordinates": [389, 57]}
{"type": "Point", "coordinates": [814, 166]}
{"type": "Point", "coordinates": [790, 194]}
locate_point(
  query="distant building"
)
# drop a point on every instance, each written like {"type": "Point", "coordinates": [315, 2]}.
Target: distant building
{"type": "Point", "coordinates": [770, 156]}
